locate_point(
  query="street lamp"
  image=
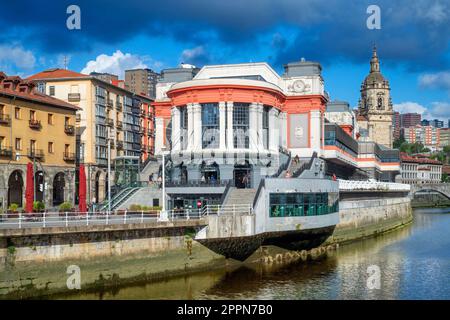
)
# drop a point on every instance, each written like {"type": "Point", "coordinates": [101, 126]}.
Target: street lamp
{"type": "Point", "coordinates": [163, 216]}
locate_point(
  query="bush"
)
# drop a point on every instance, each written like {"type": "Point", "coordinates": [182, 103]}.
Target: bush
{"type": "Point", "coordinates": [65, 206]}
{"type": "Point", "coordinates": [13, 207]}
{"type": "Point", "coordinates": [138, 207]}
{"type": "Point", "coordinates": [38, 206]}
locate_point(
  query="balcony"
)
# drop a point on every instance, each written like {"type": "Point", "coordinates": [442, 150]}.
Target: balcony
{"type": "Point", "coordinates": [119, 125]}
{"type": "Point", "coordinates": [150, 132]}
{"type": "Point", "coordinates": [5, 119]}
{"type": "Point", "coordinates": [119, 106]}
{"type": "Point", "coordinates": [119, 145]}
{"type": "Point", "coordinates": [109, 103]}
{"type": "Point", "coordinates": [6, 152]}
{"type": "Point", "coordinates": [69, 129]}
{"type": "Point", "coordinates": [35, 153]}
{"type": "Point", "coordinates": [143, 113]}
{"type": "Point", "coordinates": [69, 156]}
{"type": "Point", "coordinates": [109, 122]}
{"type": "Point", "coordinates": [35, 124]}
{"type": "Point", "coordinates": [73, 97]}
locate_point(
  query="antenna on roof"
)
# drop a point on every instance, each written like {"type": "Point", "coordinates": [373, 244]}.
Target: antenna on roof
{"type": "Point", "coordinates": [65, 62]}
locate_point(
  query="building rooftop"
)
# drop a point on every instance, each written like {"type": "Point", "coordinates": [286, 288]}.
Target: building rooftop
{"type": "Point", "coordinates": [57, 74]}
{"type": "Point", "coordinates": [14, 86]}
{"type": "Point", "coordinates": [418, 159]}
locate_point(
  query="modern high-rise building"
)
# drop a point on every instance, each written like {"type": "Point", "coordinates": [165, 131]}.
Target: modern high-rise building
{"type": "Point", "coordinates": [444, 137]}
{"type": "Point", "coordinates": [104, 108]}
{"type": "Point", "coordinates": [396, 125]}
{"type": "Point", "coordinates": [141, 81]}
{"type": "Point", "coordinates": [104, 76]}
{"type": "Point", "coordinates": [427, 135]}
{"type": "Point", "coordinates": [410, 120]}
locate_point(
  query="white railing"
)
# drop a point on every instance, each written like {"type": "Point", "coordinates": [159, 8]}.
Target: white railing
{"type": "Point", "coordinates": [354, 185]}
{"type": "Point", "coordinates": [68, 219]}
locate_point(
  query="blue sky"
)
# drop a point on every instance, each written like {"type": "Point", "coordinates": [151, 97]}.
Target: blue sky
{"type": "Point", "coordinates": [413, 42]}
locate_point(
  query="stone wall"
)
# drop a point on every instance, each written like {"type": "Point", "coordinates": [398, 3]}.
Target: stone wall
{"type": "Point", "coordinates": [35, 262]}
{"type": "Point", "coordinates": [365, 218]}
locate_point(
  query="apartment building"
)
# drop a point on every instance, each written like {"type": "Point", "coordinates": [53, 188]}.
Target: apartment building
{"type": "Point", "coordinates": [419, 170]}
{"type": "Point", "coordinates": [39, 129]}
{"type": "Point", "coordinates": [429, 136]}
{"type": "Point", "coordinates": [141, 81]}
{"type": "Point", "coordinates": [104, 109]}
{"type": "Point", "coordinates": [147, 127]}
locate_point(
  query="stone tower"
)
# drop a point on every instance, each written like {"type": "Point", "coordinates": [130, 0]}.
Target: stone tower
{"type": "Point", "coordinates": [375, 105]}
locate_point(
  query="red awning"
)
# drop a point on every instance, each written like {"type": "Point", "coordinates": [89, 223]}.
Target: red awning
{"type": "Point", "coordinates": [82, 190]}
{"type": "Point", "coordinates": [29, 193]}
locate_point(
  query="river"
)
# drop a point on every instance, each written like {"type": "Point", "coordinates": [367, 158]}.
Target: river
{"type": "Point", "coordinates": [414, 263]}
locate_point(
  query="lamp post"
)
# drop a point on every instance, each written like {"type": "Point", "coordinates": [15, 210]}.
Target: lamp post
{"type": "Point", "coordinates": [109, 170]}
{"type": "Point", "coordinates": [163, 216]}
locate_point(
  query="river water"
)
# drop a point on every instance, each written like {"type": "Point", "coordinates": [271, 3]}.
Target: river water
{"type": "Point", "coordinates": [414, 263]}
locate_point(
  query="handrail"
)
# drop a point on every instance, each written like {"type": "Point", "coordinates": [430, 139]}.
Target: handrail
{"type": "Point", "coordinates": [305, 166]}
{"type": "Point", "coordinates": [262, 183]}
{"type": "Point", "coordinates": [225, 192]}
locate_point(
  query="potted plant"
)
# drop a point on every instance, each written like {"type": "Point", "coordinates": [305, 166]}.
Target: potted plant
{"type": "Point", "coordinates": [65, 207]}
{"type": "Point", "coordinates": [13, 210]}
{"type": "Point", "coordinates": [38, 206]}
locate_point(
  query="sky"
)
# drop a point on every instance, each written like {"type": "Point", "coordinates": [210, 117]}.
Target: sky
{"type": "Point", "coordinates": [413, 43]}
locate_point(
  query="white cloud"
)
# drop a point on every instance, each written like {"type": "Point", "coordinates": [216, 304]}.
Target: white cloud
{"type": "Point", "coordinates": [437, 110]}
{"type": "Point", "coordinates": [116, 64]}
{"type": "Point", "coordinates": [409, 107]}
{"type": "Point", "coordinates": [439, 80]}
{"type": "Point", "coordinates": [197, 56]}
{"type": "Point", "coordinates": [16, 57]}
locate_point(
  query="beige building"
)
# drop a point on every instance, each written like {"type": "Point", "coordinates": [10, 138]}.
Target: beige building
{"type": "Point", "coordinates": [375, 111]}
{"type": "Point", "coordinates": [104, 108]}
{"type": "Point", "coordinates": [39, 129]}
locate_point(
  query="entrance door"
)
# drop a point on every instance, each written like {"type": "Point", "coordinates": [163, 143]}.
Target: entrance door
{"type": "Point", "coordinates": [15, 186]}
{"type": "Point", "coordinates": [242, 177]}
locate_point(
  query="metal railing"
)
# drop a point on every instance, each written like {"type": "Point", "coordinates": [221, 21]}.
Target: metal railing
{"type": "Point", "coordinates": [355, 185]}
{"type": "Point", "coordinates": [69, 219]}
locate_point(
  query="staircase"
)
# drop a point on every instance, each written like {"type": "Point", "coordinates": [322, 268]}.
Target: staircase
{"type": "Point", "coordinates": [118, 199]}
{"type": "Point", "coordinates": [239, 197]}
{"type": "Point", "coordinates": [150, 168]}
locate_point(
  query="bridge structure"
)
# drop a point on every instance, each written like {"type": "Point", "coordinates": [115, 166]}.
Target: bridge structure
{"type": "Point", "coordinates": [441, 188]}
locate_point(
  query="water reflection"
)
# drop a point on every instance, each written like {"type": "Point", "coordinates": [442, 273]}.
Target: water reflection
{"type": "Point", "coordinates": [414, 264]}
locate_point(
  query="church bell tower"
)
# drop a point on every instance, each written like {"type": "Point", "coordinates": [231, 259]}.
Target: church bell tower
{"type": "Point", "coordinates": [375, 105]}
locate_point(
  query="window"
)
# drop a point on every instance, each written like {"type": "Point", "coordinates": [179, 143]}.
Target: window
{"type": "Point", "coordinates": [50, 118]}
{"type": "Point", "coordinates": [66, 148]}
{"type": "Point", "coordinates": [265, 127]}
{"type": "Point", "coordinates": [51, 90]}
{"type": "Point", "coordinates": [210, 125]}
{"type": "Point", "coordinates": [241, 123]}
{"type": "Point", "coordinates": [50, 147]}
{"type": "Point", "coordinates": [17, 113]}
{"type": "Point", "coordinates": [18, 144]}
{"type": "Point", "coordinates": [2, 142]}
{"type": "Point", "coordinates": [67, 121]}
{"type": "Point", "coordinates": [32, 145]}
{"type": "Point", "coordinates": [32, 115]}
{"type": "Point", "coordinates": [302, 204]}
